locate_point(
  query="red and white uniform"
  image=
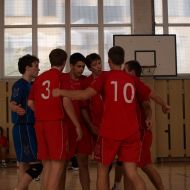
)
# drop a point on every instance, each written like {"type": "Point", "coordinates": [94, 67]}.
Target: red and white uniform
{"type": "Point", "coordinates": [84, 146]}
{"type": "Point", "coordinates": [119, 132]}
{"type": "Point", "coordinates": [49, 115]}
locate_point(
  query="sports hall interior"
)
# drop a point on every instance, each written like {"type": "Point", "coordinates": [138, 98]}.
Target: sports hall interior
{"type": "Point", "coordinates": [86, 26]}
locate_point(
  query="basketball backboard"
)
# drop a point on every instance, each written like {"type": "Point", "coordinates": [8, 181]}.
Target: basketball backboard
{"type": "Point", "coordinates": [156, 53]}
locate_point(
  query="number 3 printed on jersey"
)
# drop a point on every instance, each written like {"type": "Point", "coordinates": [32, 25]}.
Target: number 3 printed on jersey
{"type": "Point", "coordinates": [125, 88]}
{"type": "Point", "coordinates": [46, 84]}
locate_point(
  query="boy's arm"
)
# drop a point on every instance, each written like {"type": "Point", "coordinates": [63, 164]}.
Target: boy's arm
{"type": "Point", "coordinates": [68, 106]}
{"type": "Point", "coordinates": [148, 114]}
{"type": "Point", "coordinates": [88, 121]}
{"type": "Point", "coordinates": [75, 94]}
{"type": "Point", "coordinates": [17, 108]}
{"type": "Point", "coordinates": [15, 102]}
{"type": "Point", "coordinates": [31, 105]}
{"type": "Point", "coordinates": [165, 107]}
{"type": "Point", "coordinates": [141, 87]}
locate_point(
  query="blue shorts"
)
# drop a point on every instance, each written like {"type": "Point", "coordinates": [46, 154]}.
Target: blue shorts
{"type": "Point", "coordinates": [25, 143]}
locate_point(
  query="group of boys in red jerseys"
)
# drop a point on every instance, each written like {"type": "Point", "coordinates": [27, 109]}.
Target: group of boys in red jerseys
{"type": "Point", "coordinates": [77, 115]}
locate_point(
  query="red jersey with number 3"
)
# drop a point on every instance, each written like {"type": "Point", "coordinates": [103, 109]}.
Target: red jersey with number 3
{"type": "Point", "coordinates": [120, 92]}
{"type": "Point", "coordinates": [47, 107]}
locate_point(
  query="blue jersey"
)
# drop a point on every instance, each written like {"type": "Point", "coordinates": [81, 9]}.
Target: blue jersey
{"type": "Point", "coordinates": [23, 131]}
{"type": "Point", "coordinates": [20, 93]}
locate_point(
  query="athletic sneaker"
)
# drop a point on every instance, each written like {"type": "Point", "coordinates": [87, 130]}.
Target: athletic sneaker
{"type": "Point", "coordinates": [37, 178]}
{"type": "Point", "coordinates": [75, 169]}
{"type": "Point", "coordinates": [3, 165]}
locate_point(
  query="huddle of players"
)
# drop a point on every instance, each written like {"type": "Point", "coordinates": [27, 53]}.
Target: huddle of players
{"type": "Point", "coordinates": [77, 115]}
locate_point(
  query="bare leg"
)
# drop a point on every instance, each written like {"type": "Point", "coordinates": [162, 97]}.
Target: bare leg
{"type": "Point", "coordinates": [131, 172]}
{"type": "Point", "coordinates": [128, 185]}
{"type": "Point", "coordinates": [26, 179]}
{"type": "Point", "coordinates": [22, 167]}
{"type": "Point", "coordinates": [45, 173]}
{"type": "Point", "coordinates": [102, 177]}
{"type": "Point", "coordinates": [84, 171]}
{"type": "Point", "coordinates": [55, 172]}
{"type": "Point", "coordinates": [119, 173]}
{"type": "Point", "coordinates": [153, 176]}
{"type": "Point", "coordinates": [62, 181]}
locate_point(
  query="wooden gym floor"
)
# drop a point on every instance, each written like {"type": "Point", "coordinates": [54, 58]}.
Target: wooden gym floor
{"type": "Point", "coordinates": [176, 176]}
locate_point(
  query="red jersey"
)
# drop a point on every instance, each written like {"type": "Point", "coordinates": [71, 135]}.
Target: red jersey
{"type": "Point", "coordinates": [71, 84]}
{"type": "Point", "coordinates": [96, 104]}
{"type": "Point", "coordinates": [120, 95]}
{"type": "Point", "coordinates": [84, 146]}
{"type": "Point", "coordinates": [141, 115]}
{"type": "Point", "coordinates": [47, 107]}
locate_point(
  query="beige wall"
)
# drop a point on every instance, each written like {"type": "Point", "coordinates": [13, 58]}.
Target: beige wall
{"type": "Point", "coordinates": [171, 131]}
{"type": "Point", "coordinates": [5, 114]}
{"type": "Point", "coordinates": [173, 128]}
{"type": "Point", "coordinates": [142, 17]}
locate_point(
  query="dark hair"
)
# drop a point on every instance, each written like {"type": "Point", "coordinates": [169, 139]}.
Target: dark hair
{"type": "Point", "coordinates": [26, 60]}
{"type": "Point", "coordinates": [75, 57]}
{"type": "Point", "coordinates": [135, 66]}
{"type": "Point", "coordinates": [116, 54]}
{"type": "Point", "coordinates": [57, 57]}
{"type": "Point", "coordinates": [92, 57]}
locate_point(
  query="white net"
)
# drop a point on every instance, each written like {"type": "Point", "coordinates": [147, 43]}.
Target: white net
{"type": "Point", "coordinates": [148, 71]}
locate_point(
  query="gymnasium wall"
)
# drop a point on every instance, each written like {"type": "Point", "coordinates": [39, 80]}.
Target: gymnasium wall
{"type": "Point", "coordinates": [171, 131]}
{"type": "Point", "coordinates": [5, 114]}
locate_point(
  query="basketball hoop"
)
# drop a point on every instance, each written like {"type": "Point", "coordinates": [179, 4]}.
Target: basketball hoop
{"type": "Point", "coordinates": [148, 71]}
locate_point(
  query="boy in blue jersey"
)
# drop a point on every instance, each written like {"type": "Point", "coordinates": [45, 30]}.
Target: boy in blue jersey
{"type": "Point", "coordinates": [23, 119]}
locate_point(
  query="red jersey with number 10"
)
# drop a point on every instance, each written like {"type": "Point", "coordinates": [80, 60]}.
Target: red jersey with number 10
{"type": "Point", "coordinates": [47, 107]}
{"type": "Point", "coordinates": [120, 92]}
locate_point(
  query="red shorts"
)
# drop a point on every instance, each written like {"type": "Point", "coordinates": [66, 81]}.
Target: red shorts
{"type": "Point", "coordinates": [145, 156]}
{"type": "Point", "coordinates": [127, 150]}
{"type": "Point", "coordinates": [51, 140]}
{"type": "Point", "coordinates": [84, 146]}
